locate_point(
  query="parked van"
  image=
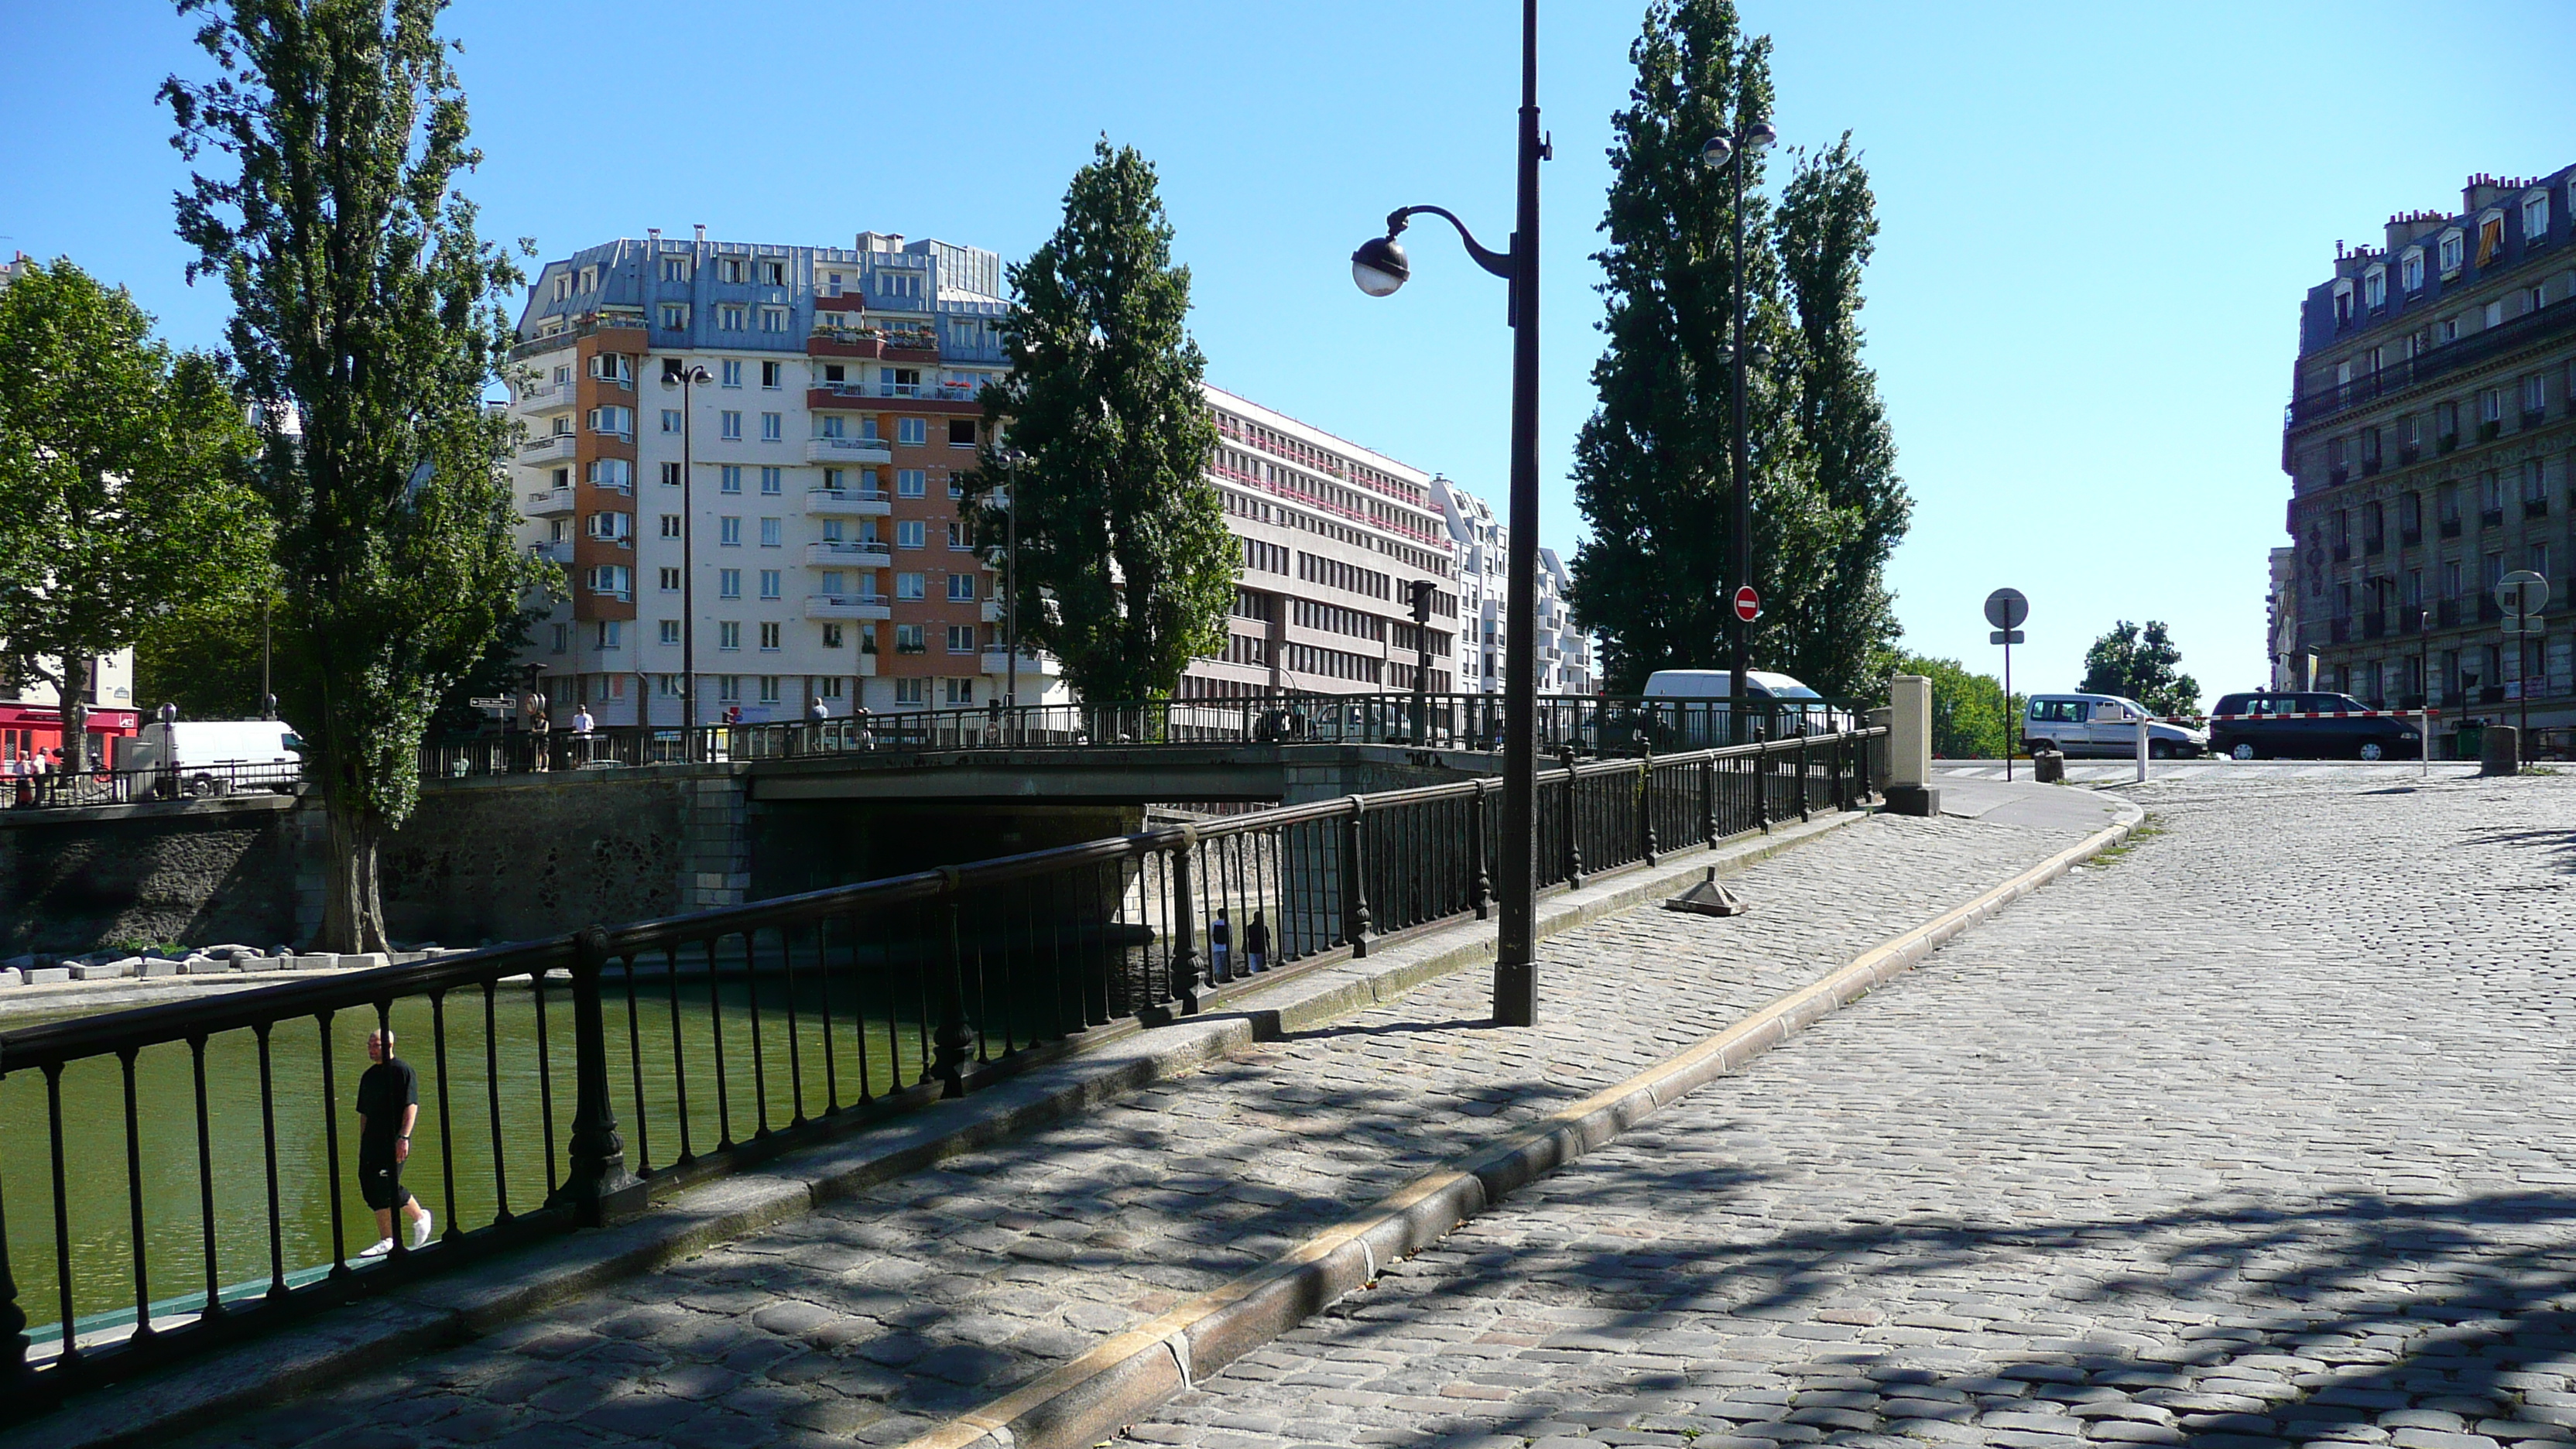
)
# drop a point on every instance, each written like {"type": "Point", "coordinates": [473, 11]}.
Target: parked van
{"type": "Point", "coordinates": [217, 756]}
{"type": "Point", "coordinates": [1688, 708]}
{"type": "Point", "coordinates": [2103, 724]}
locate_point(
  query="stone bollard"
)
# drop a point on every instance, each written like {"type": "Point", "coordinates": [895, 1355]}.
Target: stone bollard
{"type": "Point", "coordinates": [2048, 767]}
{"type": "Point", "coordinates": [1909, 747]}
{"type": "Point", "coordinates": [2501, 753]}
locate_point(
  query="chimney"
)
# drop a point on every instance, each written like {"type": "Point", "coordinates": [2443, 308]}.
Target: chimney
{"type": "Point", "coordinates": [653, 243]}
{"type": "Point", "coordinates": [2482, 190]}
{"type": "Point", "coordinates": [702, 233]}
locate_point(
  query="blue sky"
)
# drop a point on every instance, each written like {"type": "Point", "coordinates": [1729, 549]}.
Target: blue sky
{"type": "Point", "coordinates": [2097, 220]}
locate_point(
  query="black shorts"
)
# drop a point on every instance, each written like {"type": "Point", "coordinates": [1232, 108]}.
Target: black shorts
{"type": "Point", "coordinates": [380, 1181]}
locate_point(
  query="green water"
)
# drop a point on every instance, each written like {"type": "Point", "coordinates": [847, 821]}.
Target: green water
{"type": "Point", "coordinates": [464, 1169]}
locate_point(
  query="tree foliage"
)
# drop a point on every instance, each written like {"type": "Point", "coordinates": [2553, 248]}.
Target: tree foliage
{"type": "Point", "coordinates": [1971, 718]}
{"type": "Point", "coordinates": [1125, 568]}
{"type": "Point", "coordinates": [1653, 465]}
{"type": "Point", "coordinates": [124, 498]}
{"type": "Point", "coordinates": [368, 324]}
{"type": "Point", "coordinates": [2142, 665]}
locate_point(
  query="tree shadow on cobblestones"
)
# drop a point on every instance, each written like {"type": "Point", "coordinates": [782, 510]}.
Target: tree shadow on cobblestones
{"type": "Point", "coordinates": [2225, 1325]}
{"type": "Point", "coordinates": [2560, 843]}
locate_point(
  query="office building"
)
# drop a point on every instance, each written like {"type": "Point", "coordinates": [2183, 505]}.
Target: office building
{"type": "Point", "coordinates": [1482, 546]}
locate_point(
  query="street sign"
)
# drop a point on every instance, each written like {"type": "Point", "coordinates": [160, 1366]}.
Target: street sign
{"type": "Point", "coordinates": [2006, 609]}
{"type": "Point", "coordinates": [2007, 636]}
{"type": "Point", "coordinates": [1748, 604]}
{"type": "Point", "coordinates": [2523, 592]}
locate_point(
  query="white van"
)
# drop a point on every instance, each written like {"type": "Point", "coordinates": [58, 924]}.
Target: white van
{"type": "Point", "coordinates": [2103, 724]}
{"type": "Point", "coordinates": [217, 756]}
{"type": "Point", "coordinates": [1694, 706]}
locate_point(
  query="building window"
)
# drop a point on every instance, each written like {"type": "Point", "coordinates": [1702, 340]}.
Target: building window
{"type": "Point", "coordinates": [769, 639]}
{"type": "Point", "coordinates": [670, 475]}
{"type": "Point", "coordinates": [728, 635]}
{"type": "Point", "coordinates": [911, 533]}
{"type": "Point", "coordinates": [730, 372]}
{"type": "Point", "coordinates": [731, 269]}
{"type": "Point", "coordinates": [773, 319]}
{"type": "Point", "coordinates": [961, 588]}
{"type": "Point", "coordinates": [730, 317]}
{"type": "Point", "coordinates": [909, 691]}
{"type": "Point", "coordinates": [773, 427]}
{"type": "Point", "coordinates": [675, 317]}
{"type": "Point", "coordinates": [911, 482]}
{"type": "Point", "coordinates": [772, 375]}
{"type": "Point", "coordinates": [728, 688]}
{"type": "Point", "coordinates": [670, 631]}
{"type": "Point", "coordinates": [832, 640]}
{"type": "Point", "coordinates": [829, 425]}
{"type": "Point", "coordinates": [769, 583]}
{"type": "Point", "coordinates": [912, 432]}
{"type": "Point", "coordinates": [671, 525]}
{"type": "Point", "coordinates": [961, 432]}
{"type": "Point", "coordinates": [675, 269]}
{"type": "Point", "coordinates": [729, 531]}
{"type": "Point", "coordinates": [2454, 252]}
{"type": "Point", "coordinates": [730, 425]}
{"type": "Point", "coordinates": [729, 479]}
{"type": "Point", "coordinates": [961, 638]}
{"type": "Point", "coordinates": [616, 474]}
{"type": "Point", "coordinates": [958, 693]}
{"type": "Point", "coordinates": [2535, 217]}
{"type": "Point", "coordinates": [911, 638]}
{"type": "Point", "coordinates": [729, 583]}
{"type": "Point", "coordinates": [2374, 288]}
{"type": "Point", "coordinates": [2411, 270]}
{"type": "Point", "coordinates": [670, 420]}
{"type": "Point", "coordinates": [773, 481]}
{"type": "Point", "coordinates": [617, 422]}
{"type": "Point", "coordinates": [773, 532]}
{"type": "Point", "coordinates": [670, 581]}
{"type": "Point", "coordinates": [2535, 395]}
{"type": "Point", "coordinates": [910, 586]}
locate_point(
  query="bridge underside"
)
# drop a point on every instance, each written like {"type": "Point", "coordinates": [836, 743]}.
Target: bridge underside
{"type": "Point", "coordinates": [1288, 774]}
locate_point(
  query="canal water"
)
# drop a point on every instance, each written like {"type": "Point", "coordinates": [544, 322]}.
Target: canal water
{"type": "Point", "coordinates": [491, 1143]}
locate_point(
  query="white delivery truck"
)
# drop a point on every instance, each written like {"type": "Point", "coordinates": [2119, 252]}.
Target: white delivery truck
{"type": "Point", "coordinates": [1689, 707]}
{"type": "Point", "coordinates": [205, 757]}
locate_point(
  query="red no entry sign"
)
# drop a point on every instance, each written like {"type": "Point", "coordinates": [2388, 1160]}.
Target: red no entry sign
{"type": "Point", "coordinates": [1748, 604]}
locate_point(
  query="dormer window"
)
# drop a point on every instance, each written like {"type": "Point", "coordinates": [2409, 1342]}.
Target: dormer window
{"type": "Point", "coordinates": [731, 269]}
{"type": "Point", "coordinates": [675, 269]}
{"type": "Point", "coordinates": [2454, 252]}
{"type": "Point", "coordinates": [2343, 304]}
{"type": "Point", "coordinates": [2374, 288]}
{"type": "Point", "coordinates": [2410, 271]}
{"type": "Point", "coordinates": [2535, 217]}
{"type": "Point", "coordinates": [773, 274]}
{"type": "Point", "coordinates": [563, 286]}
{"type": "Point", "coordinates": [590, 279]}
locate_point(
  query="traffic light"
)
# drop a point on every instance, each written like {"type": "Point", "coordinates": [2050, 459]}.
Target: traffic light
{"type": "Point", "coordinates": [1422, 590]}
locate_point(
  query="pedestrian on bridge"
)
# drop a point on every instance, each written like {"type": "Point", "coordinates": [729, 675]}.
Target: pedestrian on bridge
{"type": "Point", "coordinates": [1256, 943]}
{"type": "Point", "coordinates": [1220, 937]}
{"type": "Point", "coordinates": [388, 1106]}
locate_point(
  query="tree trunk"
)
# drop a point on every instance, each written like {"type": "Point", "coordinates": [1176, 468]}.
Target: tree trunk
{"type": "Point", "coordinates": [77, 672]}
{"type": "Point", "coordinates": [353, 917]}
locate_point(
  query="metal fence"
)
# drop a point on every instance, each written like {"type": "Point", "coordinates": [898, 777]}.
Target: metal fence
{"type": "Point", "coordinates": [66, 790]}
{"type": "Point", "coordinates": [1589, 725]}
{"type": "Point", "coordinates": [174, 1171]}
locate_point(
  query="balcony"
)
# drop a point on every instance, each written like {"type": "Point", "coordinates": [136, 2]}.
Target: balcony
{"type": "Point", "coordinates": [2343, 553]}
{"type": "Point", "coordinates": [2406, 452]}
{"type": "Point", "coordinates": [547, 451]}
{"type": "Point", "coordinates": [2338, 475]}
{"type": "Point", "coordinates": [2374, 625]}
{"type": "Point", "coordinates": [848, 502]}
{"type": "Point", "coordinates": [859, 451]}
{"type": "Point", "coordinates": [2450, 528]}
{"type": "Point", "coordinates": [998, 661]}
{"type": "Point", "coordinates": [2490, 430]}
{"type": "Point", "coordinates": [2339, 631]}
{"type": "Point", "coordinates": [992, 611]}
{"type": "Point", "coordinates": [552, 503]}
{"type": "Point", "coordinates": [2490, 518]}
{"type": "Point", "coordinates": [2520, 332]}
{"type": "Point", "coordinates": [2408, 538]}
{"type": "Point", "coordinates": [559, 550]}
{"type": "Point", "coordinates": [865, 607]}
{"type": "Point", "coordinates": [2374, 545]}
{"type": "Point", "coordinates": [547, 396]}
{"type": "Point", "coordinates": [2448, 615]}
{"type": "Point", "coordinates": [2410, 619]}
{"type": "Point", "coordinates": [2534, 417]}
{"type": "Point", "coordinates": [2535, 508]}
{"type": "Point", "coordinates": [2489, 610]}
{"type": "Point", "coordinates": [847, 556]}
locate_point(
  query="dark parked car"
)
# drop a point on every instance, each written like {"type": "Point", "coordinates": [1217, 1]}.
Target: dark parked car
{"type": "Point", "coordinates": [2272, 726]}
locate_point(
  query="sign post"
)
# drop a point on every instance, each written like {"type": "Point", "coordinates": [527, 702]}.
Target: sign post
{"type": "Point", "coordinates": [1748, 607]}
{"type": "Point", "coordinates": [2524, 595]}
{"type": "Point", "coordinates": [2006, 609]}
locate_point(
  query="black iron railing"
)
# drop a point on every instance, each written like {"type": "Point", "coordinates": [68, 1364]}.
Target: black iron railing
{"type": "Point", "coordinates": [68, 789]}
{"type": "Point", "coordinates": [1587, 724]}
{"type": "Point", "coordinates": [171, 1172]}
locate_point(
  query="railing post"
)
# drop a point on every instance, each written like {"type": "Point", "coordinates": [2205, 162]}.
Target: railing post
{"type": "Point", "coordinates": [1355, 907]}
{"type": "Point", "coordinates": [1646, 805]}
{"type": "Point", "coordinates": [1762, 770]}
{"type": "Point", "coordinates": [1708, 802]}
{"type": "Point", "coordinates": [1481, 891]}
{"type": "Point", "coordinates": [1184, 949]}
{"type": "Point", "coordinates": [597, 1183]}
{"type": "Point", "coordinates": [16, 1379]}
{"type": "Point", "coordinates": [1573, 837]}
{"type": "Point", "coordinates": [952, 1042]}
{"type": "Point", "coordinates": [1806, 782]}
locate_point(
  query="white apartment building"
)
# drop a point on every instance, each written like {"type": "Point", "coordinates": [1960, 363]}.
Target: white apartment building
{"type": "Point", "coordinates": [1482, 544]}
{"type": "Point", "coordinates": [815, 514]}
{"type": "Point", "coordinates": [1334, 538]}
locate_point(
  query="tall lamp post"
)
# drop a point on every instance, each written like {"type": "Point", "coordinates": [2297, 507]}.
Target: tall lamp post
{"type": "Point", "coordinates": [1379, 267]}
{"type": "Point", "coordinates": [688, 380]}
{"type": "Point", "coordinates": [1722, 150]}
{"type": "Point", "coordinates": [1011, 460]}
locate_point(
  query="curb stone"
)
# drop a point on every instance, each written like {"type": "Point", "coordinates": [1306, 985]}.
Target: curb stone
{"type": "Point", "coordinates": [1094, 1397]}
{"type": "Point", "coordinates": [443, 1311]}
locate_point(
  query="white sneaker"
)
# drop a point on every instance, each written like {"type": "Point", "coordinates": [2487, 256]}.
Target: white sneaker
{"type": "Point", "coordinates": [420, 1231]}
{"type": "Point", "coordinates": [382, 1247]}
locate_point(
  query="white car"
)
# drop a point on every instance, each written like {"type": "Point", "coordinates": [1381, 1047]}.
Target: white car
{"type": "Point", "coordinates": [2104, 724]}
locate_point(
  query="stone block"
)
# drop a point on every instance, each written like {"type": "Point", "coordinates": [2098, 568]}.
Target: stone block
{"type": "Point", "coordinates": [104, 972]}
{"type": "Point", "coordinates": [205, 966]}
{"type": "Point", "coordinates": [1922, 800]}
{"type": "Point", "coordinates": [263, 963]}
{"type": "Point", "coordinates": [47, 975]}
{"type": "Point", "coordinates": [365, 961]}
{"type": "Point", "coordinates": [318, 961]}
{"type": "Point", "coordinates": [12, 976]}
{"type": "Point", "coordinates": [158, 968]}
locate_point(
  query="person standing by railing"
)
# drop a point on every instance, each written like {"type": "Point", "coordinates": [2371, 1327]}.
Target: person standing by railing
{"type": "Point", "coordinates": [388, 1106]}
{"type": "Point", "coordinates": [582, 725]}
{"type": "Point", "coordinates": [1256, 943]}
{"type": "Point", "coordinates": [1220, 939]}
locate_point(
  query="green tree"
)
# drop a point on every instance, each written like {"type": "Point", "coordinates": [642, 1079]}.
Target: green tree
{"type": "Point", "coordinates": [368, 324]}
{"type": "Point", "coordinates": [1125, 569]}
{"type": "Point", "coordinates": [205, 662]}
{"type": "Point", "coordinates": [2142, 665]}
{"type": "Point", "coordinates": [124, 491]}
{"type": "Point", "coordinates": [1653, 465]}
{"type": "Point", "coordinates": [1971, 718]}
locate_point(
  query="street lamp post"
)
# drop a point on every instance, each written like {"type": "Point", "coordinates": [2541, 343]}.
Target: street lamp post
{"type": "Point", "coordinates": [1379, 267]}
{"type": "Point", "coordinates": [1011, 592]}
{"type": "Point", "coordinates": [687, 379]}
{"type": "Point", "coordinates": [1729, 152]}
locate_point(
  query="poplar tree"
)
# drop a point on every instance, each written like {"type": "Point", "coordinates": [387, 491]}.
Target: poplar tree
{"type": "Point", "coordinates": [1125, 568]}
{"type": "Point", "coordinates": [123, 484]}
{"type": "Point", "coordinates": [368, 324]}
{"type": "Point", "coordinates": [1654, 464]}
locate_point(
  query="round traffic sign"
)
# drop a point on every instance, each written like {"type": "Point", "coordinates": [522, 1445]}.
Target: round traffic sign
{"type": "Point", "coordinates": [2006, 608]}
{"type": "Point", "coordinates": [2522, 592]}
{"type": "Point", "coordinates": [1748, 604]}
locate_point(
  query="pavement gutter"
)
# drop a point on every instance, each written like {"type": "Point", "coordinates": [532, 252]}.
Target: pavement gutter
{"type": "Point", "coordinates": [443, 1311]}
{"type": "Point", "coordinates": [1092, 1398]}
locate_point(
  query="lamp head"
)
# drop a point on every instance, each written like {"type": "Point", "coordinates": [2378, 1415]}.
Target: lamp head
{"type": "Point", "coordinates": [1716, 150]}
{"type": "Point", "coordinates": [1380, 266]}
{"type": "Point", "coordinates": [1760, 135]}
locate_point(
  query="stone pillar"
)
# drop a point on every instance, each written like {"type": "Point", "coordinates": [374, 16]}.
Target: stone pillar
{"type": "Point", "coordinates": [1909, 747]}
{"type": "Point", "coordinates": [715, 856]}
{"type": "Point", "coordinates": [2501, 752]}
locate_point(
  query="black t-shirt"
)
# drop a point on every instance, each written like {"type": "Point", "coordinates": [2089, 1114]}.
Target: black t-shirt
{"type": "Point", "coordinates": [383, 1092]}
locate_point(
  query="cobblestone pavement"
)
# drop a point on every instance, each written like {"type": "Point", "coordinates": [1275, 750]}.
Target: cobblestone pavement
{"type": "Point", "coordinates": [879, 1315]}
{"type": "Point", "coordinates": [2264, 1133]}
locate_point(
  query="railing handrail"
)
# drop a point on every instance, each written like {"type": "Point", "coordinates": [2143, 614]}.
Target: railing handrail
{"type": "Point", "coordinates": [177, 1021]}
